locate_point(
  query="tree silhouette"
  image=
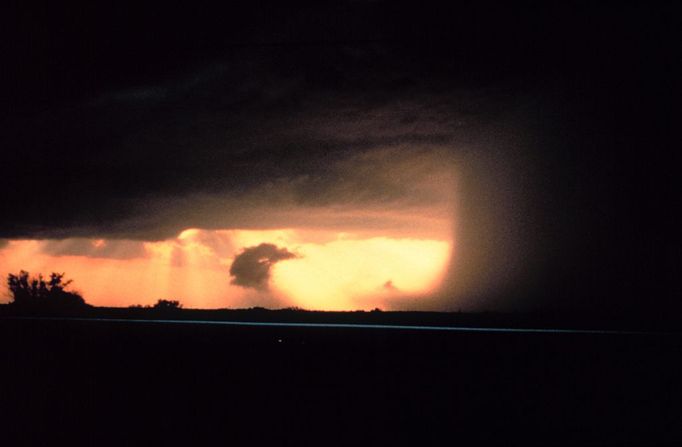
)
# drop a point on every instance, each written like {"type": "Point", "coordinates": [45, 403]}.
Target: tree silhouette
{"type": "Point", "coordinates": [167, 305]}
{"type": "Point", "coordinates": [37, 292]}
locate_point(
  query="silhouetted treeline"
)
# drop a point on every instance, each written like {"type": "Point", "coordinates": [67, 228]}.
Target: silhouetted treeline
{"type": "Point", "coordinates": [39, 296]}
{"type": "Point", "coordinates": [538, 320]}
{"type": "Point", "coordinates": [160, 305]}
{"type": "Point", "coordinates": [37, 293]}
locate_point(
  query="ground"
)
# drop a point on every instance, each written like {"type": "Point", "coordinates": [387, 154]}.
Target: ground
{"type": "Point", "coordinates": [116, 381]}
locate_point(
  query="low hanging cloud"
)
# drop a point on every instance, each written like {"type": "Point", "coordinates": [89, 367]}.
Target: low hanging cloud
{"type": "Point", "coordinates": [92, 248]}
{"type": "Point", "coordinates": [251, 268]}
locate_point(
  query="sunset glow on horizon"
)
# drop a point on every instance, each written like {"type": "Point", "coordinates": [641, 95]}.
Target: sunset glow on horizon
{"type": "Point", "coordinates": [326, 270]}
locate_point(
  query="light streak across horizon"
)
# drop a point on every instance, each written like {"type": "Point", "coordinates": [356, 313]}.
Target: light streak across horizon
{"type": "Point", "coordinates": [350, 326]}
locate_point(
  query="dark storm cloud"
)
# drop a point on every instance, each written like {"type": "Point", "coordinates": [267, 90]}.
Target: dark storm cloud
{"type": "Point", "coordinates": [226, 130]}
{"type": "Point", "coordinates": [290, 103]}
{"type": "Point", "coordinates": [251, 268]}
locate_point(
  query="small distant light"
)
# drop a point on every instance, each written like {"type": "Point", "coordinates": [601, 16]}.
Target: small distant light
{"type": "Point", "coordinates": [279, 340]}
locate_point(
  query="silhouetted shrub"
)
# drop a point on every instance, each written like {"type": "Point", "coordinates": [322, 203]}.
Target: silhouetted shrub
{"type": "Point", "coordinates": [39, 293]}
{"type": "Point", "coordinates": [294, 309]}
{"type": "Point", "coordinates": [167, 305]}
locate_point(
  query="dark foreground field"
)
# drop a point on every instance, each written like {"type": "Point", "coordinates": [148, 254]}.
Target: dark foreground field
{"type": "Point", "coordinates": [127, 382]}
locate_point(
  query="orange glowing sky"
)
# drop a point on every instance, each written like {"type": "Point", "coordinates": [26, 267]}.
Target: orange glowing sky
{"type": "Point", "coordinates": [332, 271]}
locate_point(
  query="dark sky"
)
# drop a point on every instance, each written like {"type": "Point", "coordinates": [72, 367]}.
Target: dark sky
{"type": "Point", "coordinates": [125, 122]}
